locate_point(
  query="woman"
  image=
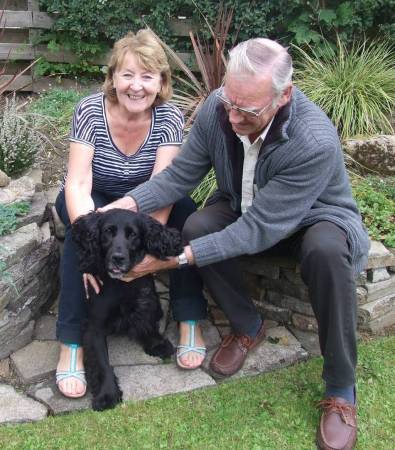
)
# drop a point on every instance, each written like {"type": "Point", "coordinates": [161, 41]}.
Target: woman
{"type": "Point", "coordinates": [119, 139]}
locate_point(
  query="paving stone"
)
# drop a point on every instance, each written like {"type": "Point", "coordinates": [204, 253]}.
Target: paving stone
{"type": "Point", "coordinates": [122, 352]}
{"type": "Point", "coordinates": [48, 393]}
{"type": "Point", "coordinates": [143, 382]}
{"type": "Point", "coordinates": [36, 361]}
{"type": "Point", "coordinates": [45, 328]}
{"type": "Point", "coordinates": [17, 408]}
{"type": "Point", "coordinates": [210, 333]}
{"type": "Point", "coordinates": [309, 341]}
{"type": "Point", "coordinates": [376, 275]}
{"type": "Point", "coordinates": [269, 356]}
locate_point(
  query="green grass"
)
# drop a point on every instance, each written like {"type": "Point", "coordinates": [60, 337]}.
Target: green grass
{"type": "Point", "coordinates": [272, 411]}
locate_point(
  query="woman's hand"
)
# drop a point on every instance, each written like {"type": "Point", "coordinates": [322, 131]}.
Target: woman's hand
{"type": "Point", "coordinates": [148, 265]}
{"type": "Point", "coordinates": [123, 203]}
{"type": "Point", "coordinates": [95, 283]}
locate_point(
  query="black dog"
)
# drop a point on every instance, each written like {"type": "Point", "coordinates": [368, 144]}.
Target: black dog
{"type": "Point", "coordinates": [109, 244]}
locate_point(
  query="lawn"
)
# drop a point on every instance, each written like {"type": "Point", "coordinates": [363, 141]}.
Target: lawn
{"type": "Point", "coordinates": [272, 411]}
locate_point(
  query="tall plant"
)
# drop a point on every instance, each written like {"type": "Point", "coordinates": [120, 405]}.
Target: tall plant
{"type": "Point", "coordinates": [354, 87]}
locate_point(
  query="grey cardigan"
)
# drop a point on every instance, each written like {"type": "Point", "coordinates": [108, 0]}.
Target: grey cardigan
{"type": "Point", "coordinates": [300, 178]}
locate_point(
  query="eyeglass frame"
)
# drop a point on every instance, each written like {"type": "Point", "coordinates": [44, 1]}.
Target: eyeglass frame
{"type": "Point", "coordinates": [247, 111]}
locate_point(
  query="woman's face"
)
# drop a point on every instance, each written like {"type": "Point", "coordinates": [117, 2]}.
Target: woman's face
{"type": "Point", "coordinates": [136, 87]}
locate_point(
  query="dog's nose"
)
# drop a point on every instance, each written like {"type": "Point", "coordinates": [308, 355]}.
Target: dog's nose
{"type": "Point", "coordinates": [118, 259]}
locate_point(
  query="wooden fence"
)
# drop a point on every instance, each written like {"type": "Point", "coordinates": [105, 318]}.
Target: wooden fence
{"type": "Point", "coordinates": [21, 23]}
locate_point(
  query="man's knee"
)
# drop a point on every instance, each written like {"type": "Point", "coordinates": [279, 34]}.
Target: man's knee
{"type": "Point", "coordinates": [196, 225]}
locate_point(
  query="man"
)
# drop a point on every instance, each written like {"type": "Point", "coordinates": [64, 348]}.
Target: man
{"type": "Point", "coordinates": [282, 185]}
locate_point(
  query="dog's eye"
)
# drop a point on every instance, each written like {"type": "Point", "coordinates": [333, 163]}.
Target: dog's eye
{"type": "Point", "coordinates": [110, 230]}
{"type": "Point", "coordinates": [129, 232]}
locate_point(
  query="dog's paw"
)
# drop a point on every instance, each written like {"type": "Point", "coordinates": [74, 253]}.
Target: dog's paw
{"type": "Point", "coordinates": [164, 349]}
{"type": "Point", "coordinates": [107, 400]}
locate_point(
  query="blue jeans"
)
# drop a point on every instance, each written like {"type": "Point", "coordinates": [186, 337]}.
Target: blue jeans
{"type": "Point", "coordinates": [186, 296]}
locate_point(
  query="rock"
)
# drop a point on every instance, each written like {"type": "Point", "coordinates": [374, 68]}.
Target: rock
{"type": "Point", "coordinates": [6, 196]}
{"type": "Point", "coordinates": [259, 265]}
{"type": "Point", "coordinates": [287, 302]}
{"type": "Point", "coordinates": [23, 188]}
{"type": "Point", "coordinates": [376, 153]}
{"type": "Point", "coordinates": [48, 393]}
{"type": "Point", "coordinates": [17, 408]}
{"type": "Point", "coordinates": [4, 179]}
{"type": "Point", "coordinates": [373, 310]}
{"type": "Point", "coordinates": [15, 331]}
{"type": "Point", "coordinates": [143, 382]}
{"type": "Point", "coordinates": [272, 312]}
{"type": "Point", "coordinates": [5, 371]}
{"type": "Point", "coordinates": [362, 295]}
{"type": "Point", "coordinates": [378, 326]}
{"type": "Point", "coordinates": [379, 256]}
{"type": "Point", "coordinates": [305, 323]}
{"type": "Point", "coordinates": [36, 361]}
{"type": "Point", "coordinates": [376, 275]}
{"type": "Point", "coordinates": [45, 328]}
{"type": "Point", "coordinates": [285, 287]}
{"type": "Point", "coordinates": [380, 289]}
{"type": "Point", "coordinates": [309, 340]}
{"type": "Point", "coordinates": [37, 211]}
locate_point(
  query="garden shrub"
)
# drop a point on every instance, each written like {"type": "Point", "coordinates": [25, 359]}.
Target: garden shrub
{"type": "Point", "coordinates": [375, 197]}
{"type": "Point", "coordinates": [20, 142]}
{"type": "Point", "coordinates": [355, 87]}
{"type": "Point", "coordinates": [9, 215]}
{"type": "Point", "coordinates": [98, 23]}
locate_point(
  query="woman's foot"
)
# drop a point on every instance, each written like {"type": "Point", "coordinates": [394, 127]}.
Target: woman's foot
{"type": "Point", "coordinates": [70, 374]}
{"type": "Point", "coordinates": [191, 350]}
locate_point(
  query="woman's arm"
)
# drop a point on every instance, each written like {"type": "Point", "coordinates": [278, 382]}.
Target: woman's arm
{"type": "Point", "coordinates": [164, 156]}
{"type": "Point", "coordinates": [78, 187]}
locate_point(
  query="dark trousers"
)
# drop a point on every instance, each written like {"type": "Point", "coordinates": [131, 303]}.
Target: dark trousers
{"type": "Point", "coordinates": [185, 284]}
{"type": "Point", "coordinates": [323, 253]}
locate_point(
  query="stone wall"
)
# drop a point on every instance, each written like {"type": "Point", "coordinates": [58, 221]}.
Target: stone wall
{"type": "Point", "coordinates": [30, 263]}
{"type": "Point", "coordinates": [279, 292]}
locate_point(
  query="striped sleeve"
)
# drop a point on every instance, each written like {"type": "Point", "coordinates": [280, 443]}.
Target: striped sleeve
{"type": "Point", "coordinates": [82, 127]}
{"type": "Point", "coordinates": [172, 126]}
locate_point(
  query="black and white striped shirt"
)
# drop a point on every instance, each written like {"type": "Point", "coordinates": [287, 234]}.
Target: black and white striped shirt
{"type": "Point", "coordinates": [115, 173]}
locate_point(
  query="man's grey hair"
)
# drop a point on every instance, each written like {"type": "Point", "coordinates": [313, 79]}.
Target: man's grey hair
{"type": "Point", "coordinates": [262, 56]}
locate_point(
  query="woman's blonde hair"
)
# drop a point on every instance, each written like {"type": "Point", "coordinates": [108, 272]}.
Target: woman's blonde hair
{"type": "Point", "coordinates": [149, 54]}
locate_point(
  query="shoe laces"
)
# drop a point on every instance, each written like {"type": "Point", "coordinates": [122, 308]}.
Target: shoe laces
{"type": "Point", "coordinates": [243, 339]}
{"type": "Point", "coordinates": [345, 410]}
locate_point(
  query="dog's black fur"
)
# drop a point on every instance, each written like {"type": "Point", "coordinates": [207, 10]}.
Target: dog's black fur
{"type": "Point", "coordinates": [109, 244]}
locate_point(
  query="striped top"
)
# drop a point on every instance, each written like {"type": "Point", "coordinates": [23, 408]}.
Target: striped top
{"type": "Point", "coordinates": [115, 173]}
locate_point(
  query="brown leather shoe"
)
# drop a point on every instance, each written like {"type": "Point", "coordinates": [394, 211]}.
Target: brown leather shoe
{"type": "Point", "coordinates": [338, 425]}
{"type": "Point", "coordinates": [232, 352]}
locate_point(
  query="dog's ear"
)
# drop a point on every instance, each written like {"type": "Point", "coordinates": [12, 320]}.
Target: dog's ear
{"type": "Point", "coordinates": [160, 241]}
{"type": "Point", "coordinates": [86, 236]}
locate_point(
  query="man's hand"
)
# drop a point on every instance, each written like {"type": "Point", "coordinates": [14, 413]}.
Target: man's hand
{"type": "Point", "coordinates": [148, 265]}
{"type": "Point", "coordinates": [95, 282]}
{"type": "Point", "coordinates": [123, 203]}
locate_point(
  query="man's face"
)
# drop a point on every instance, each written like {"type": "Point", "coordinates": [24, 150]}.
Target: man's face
{"type": "Point", "coordinates": [254, 93]}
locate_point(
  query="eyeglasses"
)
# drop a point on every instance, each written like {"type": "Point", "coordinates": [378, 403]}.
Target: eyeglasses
{"type": "Point", "coordinates": [245, 111]}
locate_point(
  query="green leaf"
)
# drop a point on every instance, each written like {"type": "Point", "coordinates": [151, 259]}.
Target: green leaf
{"type": "Point", "coordinates": [327, 16]}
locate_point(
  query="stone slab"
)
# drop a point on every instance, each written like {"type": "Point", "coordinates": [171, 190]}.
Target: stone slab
{"type": "Point", "coordinates": [45, 328]}
{"type": "Point", "coordinates": [37, 211]}
{"type": "Point", "coordinates": [308, 340]}
{"type": "Point", "coordinates": [272, 312]}
{"type": "Point", "coordinates": [380, 289]}
{"type": "Point", "coordinates": [379, 256]}
{"type": "Point", "coordinates": [143, 382]}
{"type": "Point", "coordinates": [15, 331]}
{"type": "Point", "coordinates": [377, 326]}
{"type": "Point", "coordinates": [123, 352]}
{"type": "Point", "coordinates": [17, 408]}
{"type": "Point", "coordinates": [36, 361]}
{"type": "Point", "coordinates": [48, 393]}
{"type": "Point", "coordinates": [305, 323]}
{"type": "Point", "coordinates": [362, 295]}
{"type": "Point", "coordinates": [286, 287]}
{"type": "Point", "coordinates": [5, 371]}
{"type": "Point", "coordinates": [287, 302]}
{"type": "Point", "coordinates": [373, 310]}
{"type": "Point", "coordinates": [376, 275]}
{"type": "Point", "coordinates": [282, 350]}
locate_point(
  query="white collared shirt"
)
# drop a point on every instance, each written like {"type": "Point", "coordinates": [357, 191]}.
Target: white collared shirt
{"type": "Point", "coordinates": [251, 152]}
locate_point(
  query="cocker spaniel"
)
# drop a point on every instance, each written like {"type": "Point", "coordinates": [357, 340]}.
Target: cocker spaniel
{"type": "Point", "coordinates": [109, 244]}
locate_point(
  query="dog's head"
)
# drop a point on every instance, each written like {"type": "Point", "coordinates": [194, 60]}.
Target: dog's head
{"type": "Point", "coordinates": [118, 239]}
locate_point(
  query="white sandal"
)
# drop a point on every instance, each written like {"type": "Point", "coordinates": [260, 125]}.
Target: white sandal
{"type": "Point", "coordinates": [72, 372]}
{"type": "Point", "coordinates": [183, 349]}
